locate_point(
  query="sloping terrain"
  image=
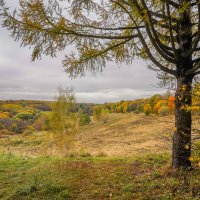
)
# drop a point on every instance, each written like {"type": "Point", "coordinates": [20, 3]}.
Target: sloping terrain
{"type": "Point", "coordinates": [115, 135]}
{"type": "Point", "coordinates": [126, 135]}
{"type": "Point", "coordinates": [121, 157]}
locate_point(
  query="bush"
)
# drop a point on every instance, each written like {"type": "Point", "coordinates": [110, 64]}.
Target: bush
{"type": "Point", "coordinates": [21, 125]}
{"type": "Point", "coordinates": [163, 111]}
{"type": "Point", "coordinates": [140, 108]}
{"type": "Point", "coordinates": [97, 110]}
{"type": "Point", "coordinates": [42, 123]}
{"type": "Point", "coordinates": [4, 115]}
{"type": "Point", "coordinates": [24, 115]}
{"type": "Point", "coordinates": [14, 128]}
{"type": "Point", "coordinates": [147, 109]}
{"type": "Point", "coordinates": [84, 119]}
{"type": "Point", "coordinates": [6, 122]}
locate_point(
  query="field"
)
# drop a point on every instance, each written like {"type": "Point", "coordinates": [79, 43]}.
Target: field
{"type": "Point", "coordinates": [117, 135]}
{"type": "Point", "coordinates": [121, 157]}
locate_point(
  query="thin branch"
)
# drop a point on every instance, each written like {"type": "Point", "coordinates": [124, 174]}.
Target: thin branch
{"type": "Point", "coordinates": [171, 32]}
{"type": "Point", "coordinates": [155, 40]}
{"type": "Point", "coordinates": [172, 3]}
{"type": "Point", "coordinates": [196, 73]}
{"type": "Point", "coordinates": [105, 50]}
{"type": "Point", "coordinates": [196, 60]}
{"type": "Point", "coordinates": [194, 69]}
{"type": "Point", "coordinates": [197, 39]}
{"type": "Point", "coordinates": [72, 32]}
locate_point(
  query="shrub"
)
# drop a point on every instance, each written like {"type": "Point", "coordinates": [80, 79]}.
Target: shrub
{"type": "Point", "coordinates": [84, 119]}
{"type": "Point", "coordinates": [140, 108]}
{"type": "Point", "coordinates": [6, 122]}
{"type": "Point", "coordinates": [14, 128]}
{"type": "Point", "coordinates": [97, 110]}
{"type": "Point", "coordinates": [21, 125]}
{"type": "Point", "coordinates": [4, 115]}
{"type": "Point", "coordinates": [24, 116]}
{"type": "Point", "coordinates": [163, 111]}
{"type": "Point", "coordinates": [42, 123]}
{"type": "Point", "coordinates": [147, 109]}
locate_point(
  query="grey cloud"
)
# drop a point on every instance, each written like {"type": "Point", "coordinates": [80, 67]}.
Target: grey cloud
{"type": "Point", "coordinates": [22, 79]}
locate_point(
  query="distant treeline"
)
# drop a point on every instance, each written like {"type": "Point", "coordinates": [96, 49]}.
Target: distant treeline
{"type": "Point", "coordinates": [21, 116]}
{"type": "Point", "coordinates": [157, 104]}
{"type": "Point", "coordinates": [24, 116]}
{"type": "Point", "coordinates": [43, 105]}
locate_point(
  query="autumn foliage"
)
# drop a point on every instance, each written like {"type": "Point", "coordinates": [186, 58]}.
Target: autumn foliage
{"type": "Point", "coordinates": [171, 105]}
{"type": "Point", "coordinates": [147, 109]}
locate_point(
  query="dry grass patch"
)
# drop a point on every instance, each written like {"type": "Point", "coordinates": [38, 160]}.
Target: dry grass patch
{"type": "Point", "coordinates": [125, 135]}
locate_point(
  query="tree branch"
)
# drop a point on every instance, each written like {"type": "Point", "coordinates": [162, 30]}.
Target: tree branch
{"type": "Point", "coordinates": [170, 30]}
{"type": "Point", "coordinates": [194, 69]}
{"type": "Point", "coordinates": [196, 40]}
{"type": "Point", "coordinates": [172, 3]}
{"type": "Point", "coordinates": [172, 72]}
{"type": "Point", "coordinates": [154, 38]}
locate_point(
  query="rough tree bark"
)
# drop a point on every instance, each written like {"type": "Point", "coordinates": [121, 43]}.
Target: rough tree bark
{"type": "Point", "coordinates": [181, 150]}
{"type": "Point", "coordinates": [183, 122]}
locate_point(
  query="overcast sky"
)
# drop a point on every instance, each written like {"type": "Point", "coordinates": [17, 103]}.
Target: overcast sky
{"type": "Point", "coordinates": [22, 79]}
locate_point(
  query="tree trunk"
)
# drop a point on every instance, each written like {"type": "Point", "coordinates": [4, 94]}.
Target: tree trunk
{"type": "Point", "coordinates": [181, 151]}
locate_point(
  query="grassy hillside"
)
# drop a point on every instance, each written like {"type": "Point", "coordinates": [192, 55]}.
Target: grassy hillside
{"type": "Point", "coordinates": [95, 178]}
{"type": "Point", "coordinates": [119, 134]}
{"type": "Point", "coordinates": [121, 157]}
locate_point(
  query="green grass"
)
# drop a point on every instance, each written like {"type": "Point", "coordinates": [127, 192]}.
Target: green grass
{"type": "Point", "coordinates": [109, 161]}
{"type": "Point", "coordinates": [88, 178]}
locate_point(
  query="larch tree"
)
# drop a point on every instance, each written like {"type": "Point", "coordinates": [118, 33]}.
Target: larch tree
{"type": "Point", "coordinates": [165, 32]}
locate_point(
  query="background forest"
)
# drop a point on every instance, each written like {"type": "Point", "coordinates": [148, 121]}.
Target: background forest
{"type": "Point", "coordinates": [27, 116]}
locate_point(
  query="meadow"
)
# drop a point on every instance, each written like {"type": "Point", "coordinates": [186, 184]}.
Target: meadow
{"type": "Point", "coordinates": [123, 156]}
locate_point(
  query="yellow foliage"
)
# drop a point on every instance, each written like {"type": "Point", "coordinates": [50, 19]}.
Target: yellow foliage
{"type": "Point", "coordinates": [4, 115]}
{"type": "Point", "coordinates": [187, 146]}
{"type": "Point", "coordinates": [184, 88]}
{"type": "Point", "coordinates": [147, 109]}
{"type": "Point", "coordinates": [8, 107]}
{"type": "Point", "coordinates": [196, 98]}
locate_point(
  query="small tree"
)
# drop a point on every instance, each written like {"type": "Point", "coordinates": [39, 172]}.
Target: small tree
{"type": "Point", "coordinates": [64, 119]}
